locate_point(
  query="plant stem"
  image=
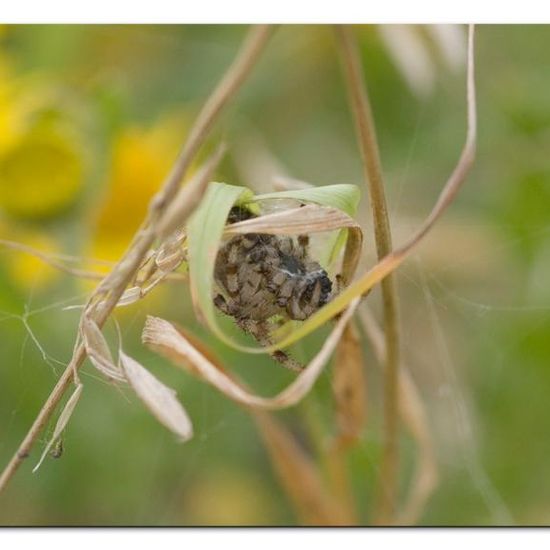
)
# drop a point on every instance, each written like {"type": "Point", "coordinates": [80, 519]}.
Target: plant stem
{"type": "Point", "coordinates": [366, 135]}
{"type": "Point", "coordinates": [112, 287]}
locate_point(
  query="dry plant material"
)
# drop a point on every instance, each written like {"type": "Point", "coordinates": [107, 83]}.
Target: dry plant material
{"type": "Point", "coordinates": [392, 261]}
{"type": "Point", "coordinates": [106, 296]}
{"type": "Point", "coordinates": [142, 268]}
{"type": "Point", "coordinates": [179, 209]}
{"type": "Point", "coordinates": [311, 218]}
{"type": "Point", "coordinates": [62, 421]}
{"type": "Point", "coordinates": [162, 337]}
{"type": "Point", "coordinates": [98, 351]}
{"type": "Point", "coordinates": [349, 387]}
{"type": "Point", "coordinates": [372, 168]}
{"type": "Point", "coordinates": [158, 398]}
{"type": "Point", "coordinates": [54, 260]}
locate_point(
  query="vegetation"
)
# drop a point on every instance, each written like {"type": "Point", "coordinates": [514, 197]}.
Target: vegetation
{"type": "Point", "coordinates": [93, 214]}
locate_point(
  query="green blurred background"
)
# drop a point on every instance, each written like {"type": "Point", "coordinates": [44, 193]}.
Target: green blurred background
{"type": "Point", "coordinates": [91, 118]}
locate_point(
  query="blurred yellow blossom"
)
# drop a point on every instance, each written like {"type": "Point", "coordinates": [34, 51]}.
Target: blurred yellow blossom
{"type": "Point", "coordinates": [10, 111]}
{"type": "Point", "coordinates": [141, 160]}
{"type": "Point", "coordinates": [41, 155]}
{"type": "Point", "coordinates": [41, 174]}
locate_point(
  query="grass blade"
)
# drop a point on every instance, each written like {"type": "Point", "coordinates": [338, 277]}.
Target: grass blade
{"type": "Point", "coordinates": [342, 196]}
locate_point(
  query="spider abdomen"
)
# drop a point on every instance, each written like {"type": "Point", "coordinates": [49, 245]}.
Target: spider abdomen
{"type": "Point", "coordinates": [265, 275]}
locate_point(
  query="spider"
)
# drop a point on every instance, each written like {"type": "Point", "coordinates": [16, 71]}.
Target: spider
{"type": "Point", "coordinates": [263, 276]}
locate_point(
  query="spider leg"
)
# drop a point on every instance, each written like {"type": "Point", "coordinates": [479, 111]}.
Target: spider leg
{"type": "Point", "coordinates": [339, 284]}
{"type": "Point", "coordinates": [260, 331]}
{"type": "Point", "coordinates": [287, 361]}
{"type": "Point", "coordinates": [285, 291]}
{"type": "Point", "coordinates": [303, 246]}
{"type": "Point", "coordinates": [229, 308]}
{"type": "Point", "coordinates": [286, 245]}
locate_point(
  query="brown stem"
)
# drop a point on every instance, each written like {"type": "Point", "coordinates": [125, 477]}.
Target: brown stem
{"type": "Point", "coordinates": [415, 418]}
{"type": "Point", "coordinates": [106, 295]}
{"type": "Point", "coordinates": [366, 135]}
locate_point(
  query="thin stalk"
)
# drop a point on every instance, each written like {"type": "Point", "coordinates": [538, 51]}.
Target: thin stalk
{"type": "Point", "coordinates": [372, 168]}
{"type": "Point", "coordinates": [111, 288]}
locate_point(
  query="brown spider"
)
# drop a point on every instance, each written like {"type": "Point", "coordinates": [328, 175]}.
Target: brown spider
{"type": "Point", "coordinates": [263, 276]}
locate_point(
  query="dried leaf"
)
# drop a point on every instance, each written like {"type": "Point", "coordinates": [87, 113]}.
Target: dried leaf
{"type": "Point", "coordinates": [298, 474]}
{"type": "Point", "coordinates": [312, 218]}
{"type": "Point", "coordinates": [349, 386]}
{"type": "Point", "coordinates": [295, 221]}
{"type": "Point", "coordinates": [64, 417]}
{"type": "Point", "coordinates": [98, 351]}
{"type": "Point", "coordinates": [164, 338]}
{"type": "Point", "coordinates": [158, 398]}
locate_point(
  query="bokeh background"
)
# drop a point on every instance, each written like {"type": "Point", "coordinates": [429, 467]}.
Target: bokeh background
{"type": "Point", "coordinates": [91, 118]}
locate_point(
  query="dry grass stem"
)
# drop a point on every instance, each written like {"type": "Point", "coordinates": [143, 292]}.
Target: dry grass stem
{"type": "Point", "coordinates": [182, 205]}
{"type": "Point", "coordinates": [57, 262]}
{"type": "Point", "coordinates": [415, 418]}
{"type": "Point", "coordinates": [112, 287]}
{"type": "Point", "coordinates": [370, 154]}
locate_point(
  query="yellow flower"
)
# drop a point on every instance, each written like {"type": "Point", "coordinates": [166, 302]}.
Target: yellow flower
{"type": "Point", "coordinates": [41, 157]}
{"type": "Point", "coordinates": [41, 174]}
{"type": "Point", "coordinates": [10, 112]}
{"type": "Point", "coordinates": [141, 161]}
